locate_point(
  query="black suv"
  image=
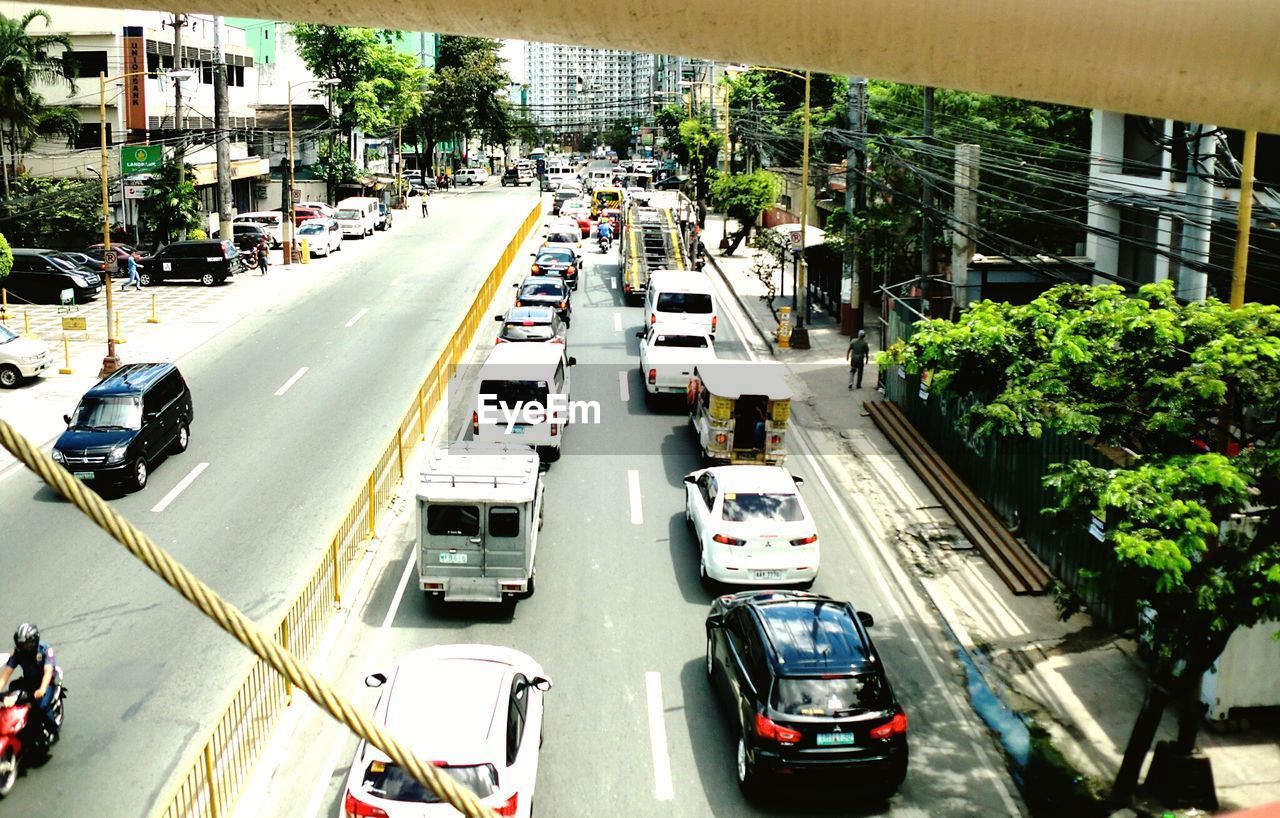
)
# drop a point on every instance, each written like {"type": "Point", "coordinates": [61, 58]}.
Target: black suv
{"type": "Point", "coordinates": [125, 423]}
{"type": "Point", "coordinates": [209, 261]}
{"type": "Point", "coordinates": [247, 235]}
{"type": "Point", "coordinates": [40, 276]}
{"type": "Point", "coordinates": [807, 687]}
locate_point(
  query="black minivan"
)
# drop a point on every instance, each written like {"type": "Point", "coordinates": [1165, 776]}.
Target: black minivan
{"type": "Point", "coordinates": [41, 277]}
{"type": "Point", "coordinates": [124, 424]}
{"type": "Point", "coordinates": [209, 261]}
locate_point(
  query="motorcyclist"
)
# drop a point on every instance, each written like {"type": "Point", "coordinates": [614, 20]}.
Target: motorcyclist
{"type": "Point", "coordinates": [604, 231]}
{"type": "Point", "coordinates": [36, 661]}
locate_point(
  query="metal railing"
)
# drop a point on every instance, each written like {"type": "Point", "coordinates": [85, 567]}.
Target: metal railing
{"type": "Point", "coordinates": [216, 769]}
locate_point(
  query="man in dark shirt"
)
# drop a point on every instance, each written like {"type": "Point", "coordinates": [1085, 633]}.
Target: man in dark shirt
{"type": "Point", "coordinates": [36, 661]}
{"type": "Point", "coordinates": [858, 353]}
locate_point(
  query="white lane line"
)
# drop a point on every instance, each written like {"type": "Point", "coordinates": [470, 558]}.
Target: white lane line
{"type": "Point", "coordinates": [613, 283]}
{"type": "Point", "coordinates": [624, 391]}
{"type": "Point", "coordinates": [633, 487]}
{"type": "Point", "coordinates": [396, 280]}
{"type": "Point", "coordinates": [617, 322]}
{"type": "Point", "coordinates": [291, 381]}
{"type": "Point", "coordinates": [356, 318]}
{"type": "Point", "coordinates": [178, 489]}
{"type": "Point", "coordinates": [662, 788]}
{"type": "Point", "coordinates": [395, 600]}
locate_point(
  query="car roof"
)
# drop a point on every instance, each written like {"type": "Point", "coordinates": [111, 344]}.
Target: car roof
{"type": "Point", "coordinates": [542, 314]}
{"type": "Point", "coordinates": [130, 379]}
{"type": "Point", "coordinates": [680, 281]}
{"type": "Point", "coordinates": [812, 636]}
{"type": "Point", "coordinates": [542, 280]}
{"type": "Point", "coordinates": [733, 379]}
{"type": "Point", "coordinates": [678, 328]}
{"type": "Point", "coordinates": [32, 251]}
{"type": "Point", "coordinates": [503, 355]}
{"type": "Point", "coordinates": [754, 479]}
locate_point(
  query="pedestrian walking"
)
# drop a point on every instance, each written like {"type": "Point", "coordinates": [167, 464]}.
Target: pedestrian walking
{"type": "Point", "coordinates": [131, 266]}
{"type": "Point", "coordinates": [264, 255]}
{"type": "Point", "coordinates": [423, 197]}
{"type": "Point", "coordinates": [857, 354]}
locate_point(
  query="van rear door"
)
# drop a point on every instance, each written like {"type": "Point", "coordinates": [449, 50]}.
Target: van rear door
{"type": "Point", "coordinates": [452, 540]}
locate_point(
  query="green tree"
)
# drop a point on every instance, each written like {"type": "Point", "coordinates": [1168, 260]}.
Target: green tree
{"type": "Point", "coordinates": [27, 60]}
{"type": "Point", "coordinates": [464, 97]}
{"type": "Point", "coordinates": [6, 256]}
{"type": "Point", "coordinates": [696, 146]}
{"type": "Point", "coordinates": [170, 207]}
{"type": "Point", "coordinates": [768, 107]}
{"type": "Point", "coordinates": [744, 196]}
{"type": "Point", "coordinates": [334, 165]}
{"type": "Point", "coordinates": [618, 137]}
{"type": "Point", "coordinates": [1195, 534]}
{"type": "Point", "coordinates": [53, 211]}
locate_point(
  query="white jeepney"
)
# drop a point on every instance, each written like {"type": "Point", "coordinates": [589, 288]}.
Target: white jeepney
{"type": "Point", "coordinates": [479, 511]}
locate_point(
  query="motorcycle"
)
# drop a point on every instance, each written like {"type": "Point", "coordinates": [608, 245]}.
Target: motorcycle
{"type": "Point", "coordinates": [24, 737]}
{"type": "Point", "coordinates": [604, 242]}
{"type": "Point", "coordinates": [250, 258]}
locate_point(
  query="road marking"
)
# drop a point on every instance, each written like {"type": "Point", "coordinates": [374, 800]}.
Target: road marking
{"type": "Point", "coordinates": [617, 322]}
{"type": "Point", "coordinates": [356, 318]}
{"type": "Point", "coordinates": [613, 283]}
{"type": "Point", "coordinates": [633, 486]}
{"type": "Point", "coordinates": [624, 391]}
{"type": "Point", "coordinates": [396, 280]}
{"type": "Point", "coordinates": [291, 381]}
{"type": "Point", "coordinates": [658, 737]}
{"type": "Point", "coordinates": [178, 489]}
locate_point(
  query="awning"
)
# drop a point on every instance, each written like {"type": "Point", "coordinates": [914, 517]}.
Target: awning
{"type": "Point", "coordinates": [207, 174]}
{"type": "Point", "coordinates": [813, 236]}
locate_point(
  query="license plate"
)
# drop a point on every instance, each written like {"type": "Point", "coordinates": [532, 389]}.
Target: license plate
{"type": "Point", "coordinates": [834, 739]}
{"type": "Point", "coordinates": [766, 574]}
{"type": "Point", "coordinates": [457, 559]}
{"type": "Point", "coordinates": [82, 475]}
{"type": "Point", "coordinates": [517, 430]}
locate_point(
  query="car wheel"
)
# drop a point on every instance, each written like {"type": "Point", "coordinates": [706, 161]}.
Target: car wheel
{"type": "Point", "coordinates": [208, 279]}
{"type": "Point", "coordinates": [707, 582]}
{"type": "Point", "coordinates": [10, 377]}
{"type": "Point", "coordinates": [140, 474]}
{"type": "Point", "coordinates": [748, 778]}
{"type": "Point", "coordinates": [146, 280]}
{"type": "Point", "coordinates": [804, 586]}
{"type": "Point", "coordinates": [183, 439]}
{"type": "Point", "coordinates": [709, 659]}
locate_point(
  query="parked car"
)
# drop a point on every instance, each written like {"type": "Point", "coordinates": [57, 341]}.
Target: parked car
{"type": "Point", "coordinates": [383, 220]}
{"type": "Point", "coordinates": [125, 423]}
{"type": "Point", "coordinates": [302, 213]}
{"type": "Point", "coordinates": [541, 324]}
{"type": "Point", "coordinates": [671, 183]}
{"type": "Point", "coordinates": [21, 358]}
{"type": "Point", "coordinates": [209, 261]}
{"type": "Point", "coordinates": [471, 176]}
{"type": "Point", "coordinates": [95, 251]}
{"type": "Point", "coordinates": [555, 260]}
{"type": "Point", "coordinates": [518, 175]}
{"type": "Point", "coordinates": [323, 236]}
{"type": "Point", "coordinates": [40, 276]}
{"type": "Point", "coordinates": [326, 211]}
{"type": "Point", "coordinates": [358, 216]}
{"type": "Point", "coordinates": [83, 260]}
{"type": "Point", "coordinates": [475, 711]}
{"type": "Point", "coordinates": [271, 221]}
{"type": "Point", "coordinates": [806, 693]}
{"type": "Point", "coordinates": [246, 235]}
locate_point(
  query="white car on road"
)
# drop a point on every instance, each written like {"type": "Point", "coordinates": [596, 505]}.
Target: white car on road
{"type": "Point", "coordinates": [473, 711]}
{"type": "Point", "coordinates": [668, 354]}
{"type": "Point", "coordinates": [323, 236]}
{"type": "Point", "coordinates": [752, 526]}
{"type": "Point", "coordinates": [21, 358]}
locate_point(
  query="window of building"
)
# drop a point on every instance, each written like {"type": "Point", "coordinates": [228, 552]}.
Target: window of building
{"type": "Point", "coordinates": [1143, 155]}
{"type": "Point", "coordinates": [90, 136]}
{"type": "Point", "coordinates": [1137, 256]}
{"type": "Point", "coordinates": [84, 64]}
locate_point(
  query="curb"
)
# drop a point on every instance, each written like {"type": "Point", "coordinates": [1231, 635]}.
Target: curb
{"type": "Point", "coordinates": [742, 307]}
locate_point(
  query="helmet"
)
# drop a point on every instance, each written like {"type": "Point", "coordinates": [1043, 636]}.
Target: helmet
{"type": "Point", "coordinates": [26, 637]}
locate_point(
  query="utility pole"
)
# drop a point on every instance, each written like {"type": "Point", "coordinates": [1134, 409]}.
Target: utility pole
{"type": "Point", "coordinates": [222, 141]}
{"type": "Point", "coordinates": [855, 202]}
{"type": "Point", "coordinates": [1197, 213]}
{"type": "Point", "coordinates": [1244, 220]}
{"type": "Point", "coordinates": [179, 146]}
{"type": "Point", "coordinates": [926, 195]}
{"type": "Point", "coordinates": [965, 183]}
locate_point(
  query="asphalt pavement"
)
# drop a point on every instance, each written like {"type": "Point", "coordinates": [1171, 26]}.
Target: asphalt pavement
{"type": "Point", "coordinates": [292, 408]}
{"type": "Point", "coordinates": [619, 608]}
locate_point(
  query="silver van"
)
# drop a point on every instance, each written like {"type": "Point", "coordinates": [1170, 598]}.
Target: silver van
{"type": "Point", "coordinates": [479, 512]}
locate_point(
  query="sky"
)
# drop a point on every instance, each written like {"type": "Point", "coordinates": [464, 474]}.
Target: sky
{"type": "Point", "coordinates": [513, 52]}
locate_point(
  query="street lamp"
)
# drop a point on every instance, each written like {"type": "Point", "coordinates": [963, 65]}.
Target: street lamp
{"type": "Point", "coordinates": [288, 232]}
{"type": "Point", "coordinates": [112, 361]}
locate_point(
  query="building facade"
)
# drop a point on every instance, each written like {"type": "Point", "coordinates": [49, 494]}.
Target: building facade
{"type": "Point", "coordinates": [575, 90]}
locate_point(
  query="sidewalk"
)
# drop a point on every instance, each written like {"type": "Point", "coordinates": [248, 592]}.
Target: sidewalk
{"type": "Point", "coordinates": [1083, 685]}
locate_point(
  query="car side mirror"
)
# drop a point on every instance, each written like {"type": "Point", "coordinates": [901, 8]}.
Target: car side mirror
{"type": "Point", "coordinates": [799, 481]}
{"type": "Point", "coordinates": [150, 415]}
{"type": "Point", "coordinates": [640, 334]}
{"type": "Point", "coordinates": [375, 680]}
{"type": "Point", "coordinates": [517, 284]}
{"type": "Point", "coordinates": [690, 479]}
{"type": "Point", "coordinates": [66, 419]}
{"type": "Point", "coordinates": [716, 619]}
{"type": "Point", "coordinates": [572, 361]}
{"type": "Point", "coordinates": [540, 683]}
{"type": "Point", "coordinates": [867, 620]}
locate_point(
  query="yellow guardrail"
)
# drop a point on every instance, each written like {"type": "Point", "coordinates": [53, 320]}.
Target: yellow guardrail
{"type": "Point", "coordinates": [214, 772]}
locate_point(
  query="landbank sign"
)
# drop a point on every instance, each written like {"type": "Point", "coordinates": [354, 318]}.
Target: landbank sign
{"type": "Point", "coordinates": [135, 159]}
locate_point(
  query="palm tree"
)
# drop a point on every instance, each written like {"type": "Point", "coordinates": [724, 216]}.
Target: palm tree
{"type": "Point", "coordinates": [26, 60]}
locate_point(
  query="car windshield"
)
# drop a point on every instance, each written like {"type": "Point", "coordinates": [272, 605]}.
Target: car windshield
{"type": "Point", "coordinates": [562, 238]}
{"type": "Point", "coordinates": [685, 341]}
{"type": "Point", "coordinates": [62, 263]}
{"type": "Point", "coordinates": [554, 258]}
{"type": "Point", "coordinates": [841, 696]}
{"type": "Point", "coordinates": [311, 228]}
{"type": "Point", "coordinates": [697, 303]}
{"type": "Point", "coordinates": [6, 335]}
{"type": "Point", "coordinates": [542, 288]}
{"type": "Point", "coordinates": [124, 412]}
{"type": "Point", "coordinates": [746, 508]}
{"type": "Point", "coordinates": [348, 214]}
{"type": "Point", "coordinates": [386, 780]}
{"type": "Point", "coordinates": [527, 331]}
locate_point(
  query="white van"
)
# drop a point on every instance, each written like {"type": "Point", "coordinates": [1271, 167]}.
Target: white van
{"type": "Point", "coordinates": [271, 221]}
{"type": "Point", "coordinates": [560, 172]}
{"type": "Point", "coordinates": [471, 176]}
{"type": "Point", "coordinates": [522, 397]}
{"type": "Point", "coordinates": [680, 297]}
{"type": "Point", "coordinates": [358, 216]}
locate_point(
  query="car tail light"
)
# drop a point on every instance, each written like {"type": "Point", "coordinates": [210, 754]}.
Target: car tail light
{"type": "Point", "coordinates": [433, 586]}
{"type": "Point", "coordinates": [722, 438]}
{"type": "Point", "coordinates": [727, 540]}
{"type": "Point", "coordinates": [500, 340]}
{"type": "Point", "coordinates": [653, 376]}
{"type": "Point", "coordinates": [896, 726]}
{"type": "Point", "coordinates": [355, 808]}
{"type": "Point", "coordinates": [475, 423]}
{"type": "Point", "coordinates": [653, 319]}
{"type": "Point", "coordinates": [559, 339]}
{"type": "Point", "coordinates": [571, 271]}
{"type": "Point", "coordinates": [713, 323]}
{"type": "Point", "coordinates": [535, 269]}
{"type": "Point", "coordinates": [774, 440]}
{"type": "Point", "coordinates": [766, 728]}
{"type": "Point", "coordinates": [809, 540]}
{"type": "Point", "coordinates": [509, 806]}
{"type": "Point", "coordinates": [555, 429]}
{"type": "Point", "coordinates": [518, 304]}
{"type": "Point", "coordinates": [564, 304]}
{"type": "Point", "coordinates": [526, 323]}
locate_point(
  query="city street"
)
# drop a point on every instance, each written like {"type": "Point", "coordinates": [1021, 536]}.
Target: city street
{"type": "Point", "coordinates": [292, 407]}
{"type": "Point", "coordinates": [620, 608]}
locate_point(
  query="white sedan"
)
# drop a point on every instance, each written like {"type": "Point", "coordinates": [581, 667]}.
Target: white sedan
{"type": "Point", "coordinates": [668, 354]}
{"type": "Point", "coordinates": [752, 526]}
{"type": "Point", "coordinates": [473, 711]}
{"type": "Point", "coordinates": [323, 236]}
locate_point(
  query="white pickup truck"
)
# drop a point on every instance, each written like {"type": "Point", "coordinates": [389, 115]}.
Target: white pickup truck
{"type": "Point", "coordinates": [668, 354]}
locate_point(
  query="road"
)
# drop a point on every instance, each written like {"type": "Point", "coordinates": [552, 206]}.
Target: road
{"type": "Point", "coordinates": [285, 454]}
{"type": "Point", "coordinates": [619, 599]}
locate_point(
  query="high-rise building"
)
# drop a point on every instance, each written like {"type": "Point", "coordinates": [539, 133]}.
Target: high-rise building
{"type": "Point", "coordinates": [574, 90]}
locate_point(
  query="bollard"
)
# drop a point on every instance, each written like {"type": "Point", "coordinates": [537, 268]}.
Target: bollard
{"type": "Point", "coordinates": [26, 324]}
{"type": "Point", "coordinates": [305, 251]}
{"type": "Point", "coordinates": [153, 319]}
{"type": "Point", "coordinates": [120, 339]}
{"type": "Point", "coordinates": [4, 304]}
{"type": "Point", "coordinates": [66, 353]}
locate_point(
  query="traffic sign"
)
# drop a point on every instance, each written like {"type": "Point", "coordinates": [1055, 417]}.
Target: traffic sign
{"type": "Point", "coordinates": [141, 159]}
{"type": "Point", "coordinates": [72, 323]}
{"type": "Point", "coordinates": [111, 260]}
{"type": "Point", "coordinates": [135, 191]}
